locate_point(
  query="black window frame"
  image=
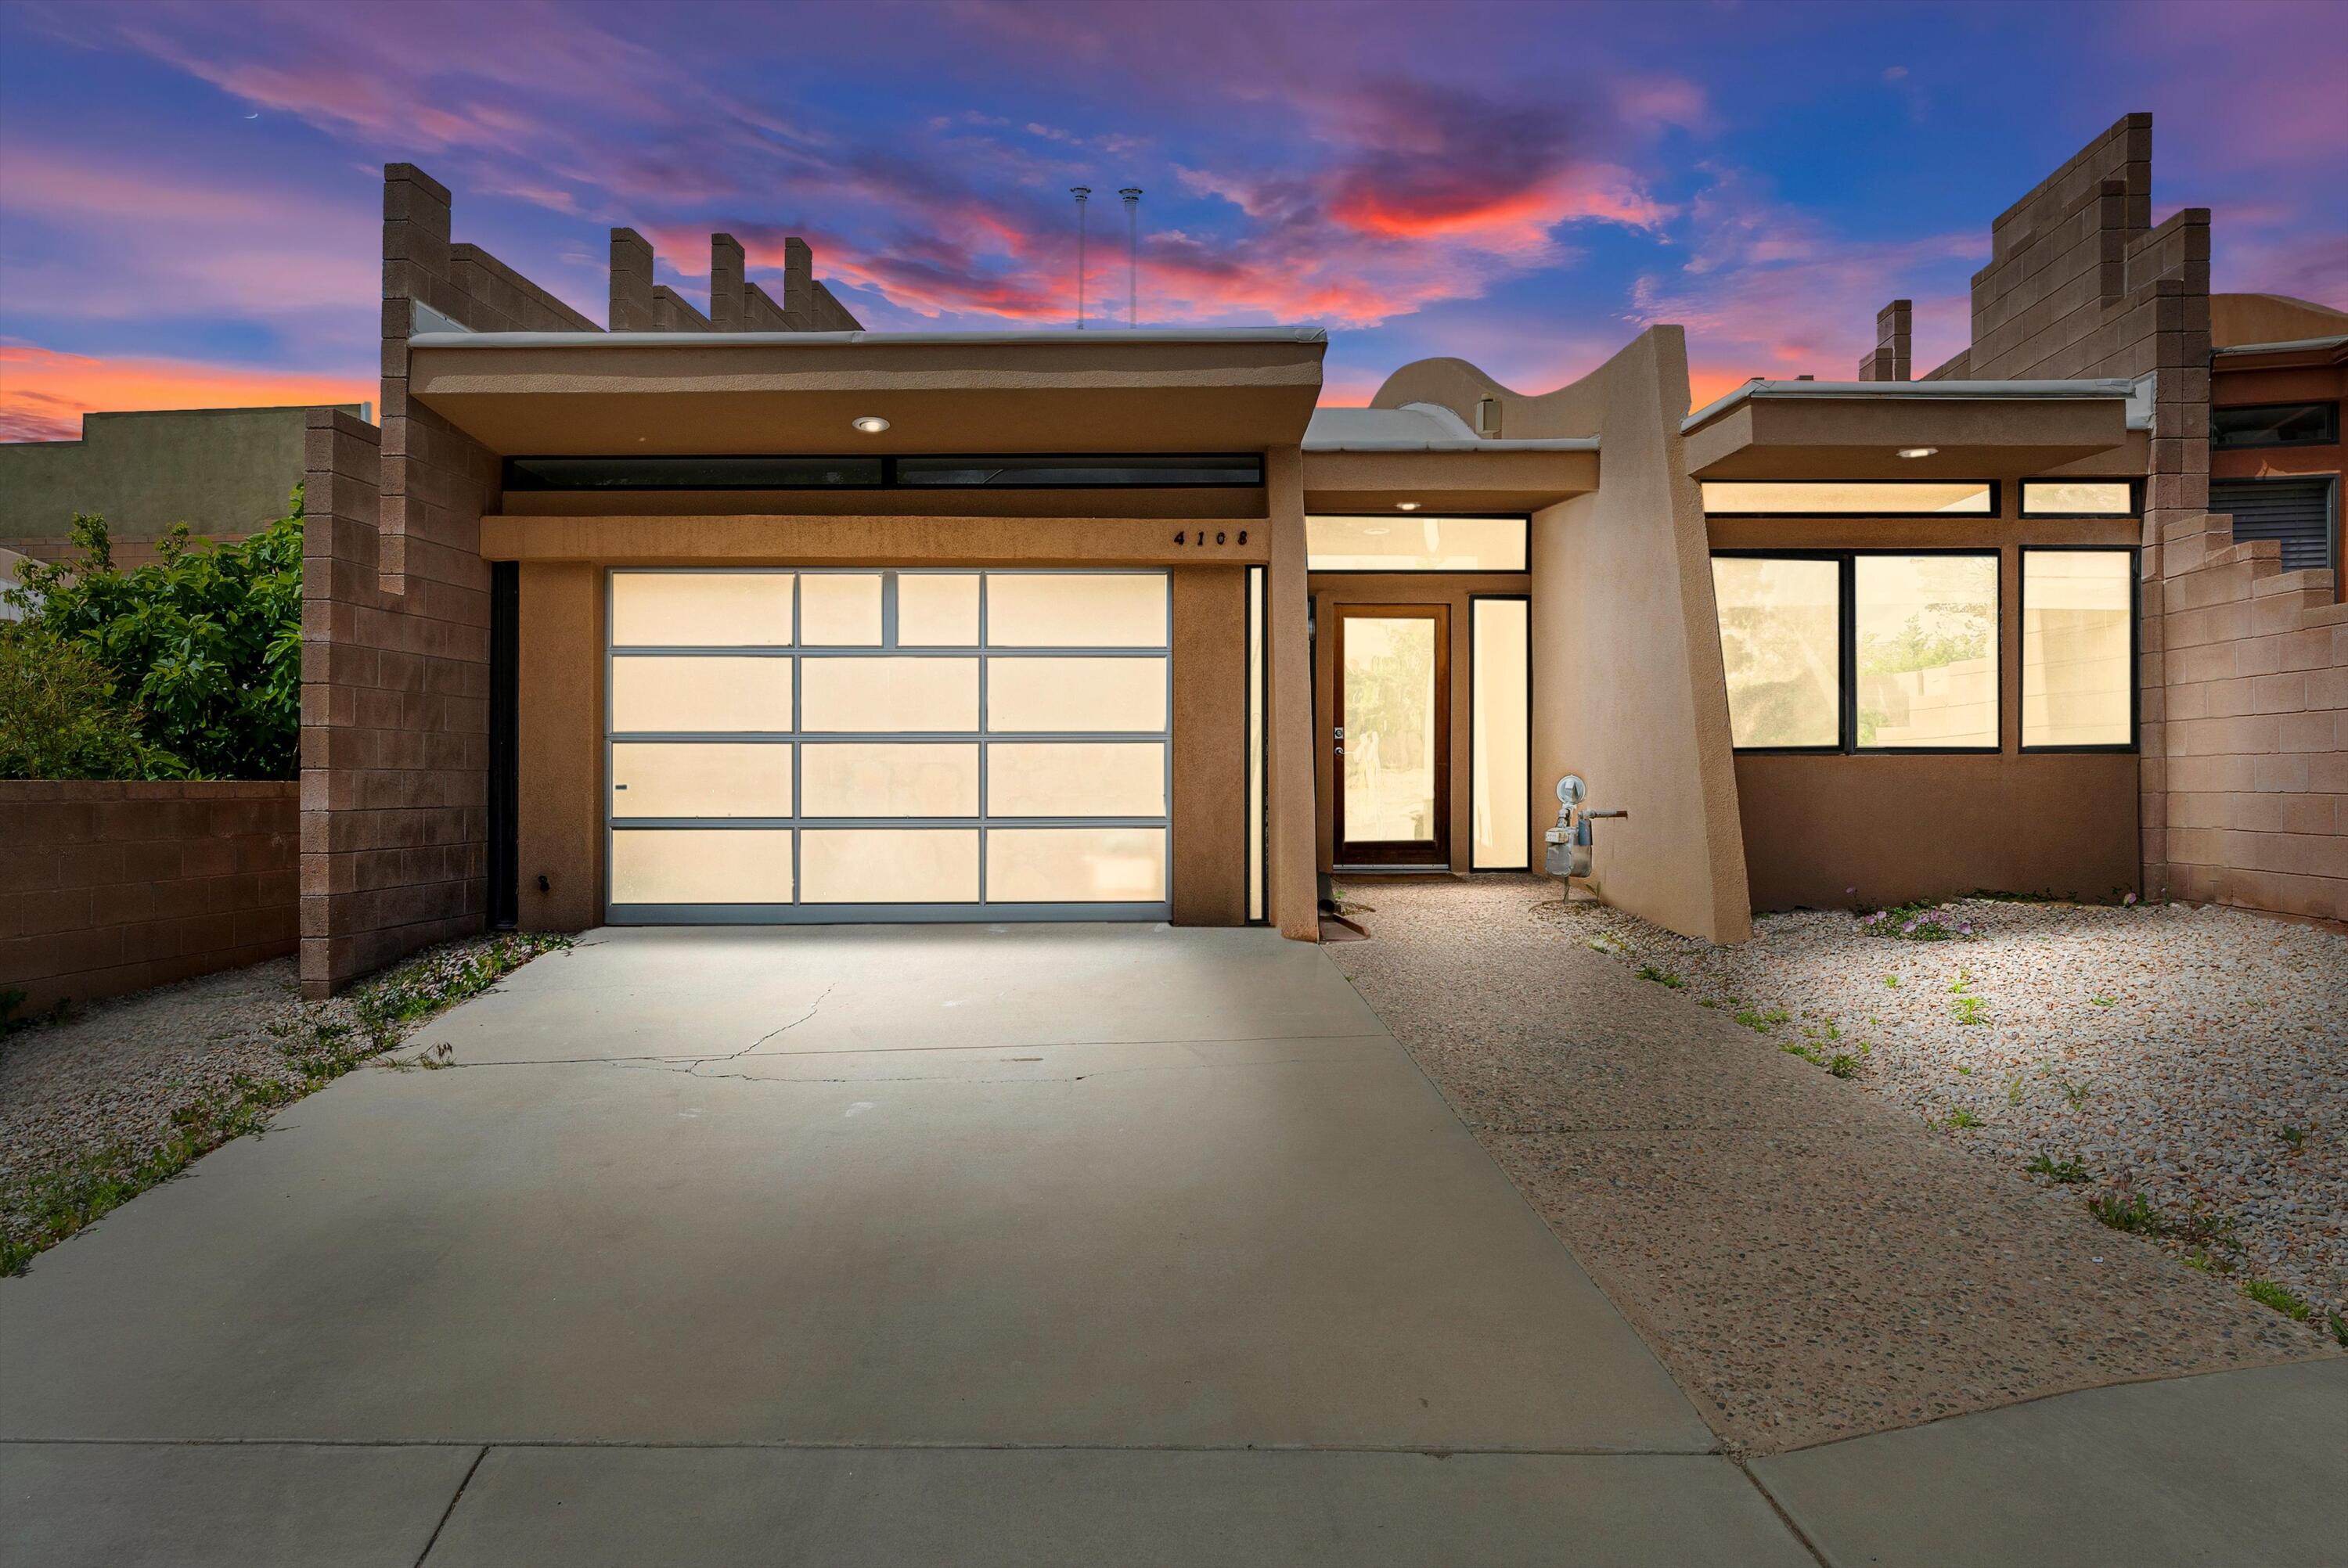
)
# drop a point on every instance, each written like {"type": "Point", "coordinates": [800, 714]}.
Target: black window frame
{"type": "Point", "coordinates": [1847, 651]}
{"type": "Point", "coordinates": [1523, 519]}
{"type": "Point", "coordinates": [1995, 510]}
{"type": "Point", "coordinates": [518, 474]}
{"type": "Point", "coordinates": [2135, 741]}
{"type": "Point", "coordinates": [2328, 437]}
{"type": "Point", "coordinates": [2134, 508]}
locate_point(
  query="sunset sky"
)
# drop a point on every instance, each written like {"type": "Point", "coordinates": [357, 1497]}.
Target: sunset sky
{"type": "Point", "coordinates": [190, 193]}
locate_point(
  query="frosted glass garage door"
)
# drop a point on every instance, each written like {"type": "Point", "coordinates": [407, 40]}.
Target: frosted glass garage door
{"type": "Point", "coordinates": [883, 745]}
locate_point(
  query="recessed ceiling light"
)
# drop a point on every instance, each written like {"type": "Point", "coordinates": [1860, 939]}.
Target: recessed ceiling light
{"type": "Point", "coordinates": [870, 424]}
{"type": "Point", "coordinates": [1918, 451]}
{"type": "Point", "coordinates": [1405, 506]}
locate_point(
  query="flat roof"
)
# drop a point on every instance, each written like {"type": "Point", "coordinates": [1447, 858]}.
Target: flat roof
{"type": "Point", "coordinates": [1927, 391]}
{"type": "Point", "coordinates": [1045, 337]}
{"type": "Point", "coordinates": [2295, 345]}
{"type": "Point", "coordinates": [1417, 427]}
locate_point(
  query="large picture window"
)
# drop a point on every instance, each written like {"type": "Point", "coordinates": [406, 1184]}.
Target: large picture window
{"type": "Point", "coordinates": [1924, 636]}
{"type": "Point", "coordinates": [1860, 650]}
{"type": "Point", "coordinates": [2079, 649]}
{"type": "Point", "coordinates": [1781, 645]}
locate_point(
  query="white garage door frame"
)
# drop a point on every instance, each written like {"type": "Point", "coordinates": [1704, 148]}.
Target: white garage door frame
{"type": "Point", "coordinates": [798, 738]}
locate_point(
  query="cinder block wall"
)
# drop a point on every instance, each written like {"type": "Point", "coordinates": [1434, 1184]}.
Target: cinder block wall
{"type": "Point", "coordinates": [395, 617]}
{"type": "Point", "coordinates": [112, 888]}
{"type": "Point", "coordinates": [2241, 666]}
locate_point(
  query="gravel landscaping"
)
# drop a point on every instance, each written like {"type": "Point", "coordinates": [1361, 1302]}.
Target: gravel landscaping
{"type": "Point", "coordinates": [2184, 1070]}
{"type": "Point", "coordinates": [125, 1093]}
{"type": "Point", "coordinates": [1810, 1258]}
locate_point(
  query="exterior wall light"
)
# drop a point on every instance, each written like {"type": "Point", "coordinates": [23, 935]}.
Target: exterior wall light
{"type": "Point", "coordinates": [1405, 506]}
{"type": "Point", "coordinates": [1918, 451]}
{"type": "Point", "coordinates": [869, 423]}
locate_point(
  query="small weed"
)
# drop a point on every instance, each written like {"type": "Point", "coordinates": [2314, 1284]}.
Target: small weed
{"type": "Point", "coordinates": [1969, 1011]}
{"type": "Point", "coordinates": [2069, 1170]}
{"type": "Point", "coordinates": [2295, 1138]}
{"type": "Point", "coordinates": [1761, 1022]}
{"type": "Point", "coordinates": [2076, 1093]}
{"type": "Point", "coordinates": [2126, 1211]}
{"type": "Point", "coordinates": [2339, 1326]}
{"type": "Point", "coordinates": [1661, 976]}
{"type": "Point", "coordinates": [1609, 943]}
{"type": "Point", "coordinates": [1962, 984]}
{"type": "Point", "coordinates": [1844, 1065]}
{"type": "Point", "coordinates": [1709, 1002]}
{"type": "Point", "coordinates": [1892, 982]}
{"type": "Point", "coordinates": [2014, 1091]}
{"type": "Point", "coordinates": [2103, 1002]}
{"type": "Point", "coordinates": [2268, 1294]}
{"type": "Point", "coordinates": [1809, 1053]}
{"type": "Point", "coordinates": [1960, 1119]}
{"type": "Point", "coordinates": [1916, 923]}
{"type": "Point", "coordinates": [1966, 1070]}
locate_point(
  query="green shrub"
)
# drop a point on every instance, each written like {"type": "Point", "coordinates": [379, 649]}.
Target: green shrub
{"type": "Point", "coordinates": [203, 646]}
{"type": "Point", "coordinates": [60, 717]}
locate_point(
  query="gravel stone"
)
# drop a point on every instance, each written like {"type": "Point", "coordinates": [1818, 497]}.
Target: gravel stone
{"type": "Point", "coordinates": [1808, 1258]}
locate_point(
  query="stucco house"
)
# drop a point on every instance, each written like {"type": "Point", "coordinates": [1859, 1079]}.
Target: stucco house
{"type": "Point", "coordinates": [757, 616]}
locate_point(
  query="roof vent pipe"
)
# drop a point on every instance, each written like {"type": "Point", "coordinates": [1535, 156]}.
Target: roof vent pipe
{"type": "Point", "coordinates": [1131, 195]}
{"type": "Point", "coordinates": [1082, 193]}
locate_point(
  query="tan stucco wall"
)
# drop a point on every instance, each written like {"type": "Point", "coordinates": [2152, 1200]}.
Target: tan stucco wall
{"type": "Point", "coordinates": [1210, 805]}
{"type": "Point", "coordinates": [1331, 589]}
{"type": "Point", "coordinates": [1628, 689]}
{"type": "Point", "coordinates": [1626, 662]}
{"type": "Point", "coordinates": [558, 815]}
{"type": "Point", "coordinates": [1897, 828]}
{"type": "Point", "coordinates": [1291, 897]}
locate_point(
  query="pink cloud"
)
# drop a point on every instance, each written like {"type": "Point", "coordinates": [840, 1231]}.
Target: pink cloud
{"type": "Point", "coordinates": [44, 394]}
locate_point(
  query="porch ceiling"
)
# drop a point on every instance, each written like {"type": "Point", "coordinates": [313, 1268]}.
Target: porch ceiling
{"type": "Point", "coordinates": [1478, 481]}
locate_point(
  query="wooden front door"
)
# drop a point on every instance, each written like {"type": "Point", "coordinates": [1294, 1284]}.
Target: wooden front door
{"type": "Point", "coordinates": [1391, 734]}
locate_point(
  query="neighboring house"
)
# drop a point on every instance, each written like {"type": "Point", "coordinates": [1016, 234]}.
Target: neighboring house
{"type": "Point", "coordinates": [2278, 372]}
{"type": "Point", "coordinates": [225, 472]}
{"type": "Point", "coordinates": [756, 616]}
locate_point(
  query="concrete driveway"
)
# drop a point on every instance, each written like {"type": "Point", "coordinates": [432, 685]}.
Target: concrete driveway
{"type": "Point", "coordinates": [1018, 1245]}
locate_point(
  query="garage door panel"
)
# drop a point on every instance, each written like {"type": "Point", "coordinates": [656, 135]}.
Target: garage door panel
{"type": "Point", "coordinates": [1074, 696]}
{"type": "Point", "coordinates": [1075, 865]}
{"type": "Point", "coordinates": [1076, 778]}
{"type": "Point", "coordinates": [882, 695]}
{"type": "Point", "coordinates": [882, 779]}
{"type": "Point", "coordinates": [701, 865]}
{"type": "Point", "coordinates": [711, 693]}
{"type": "Point", "coordinates": [1075, 609]}
{"type": "Point", "coordinates": [749, 778]}
{"type": "Point", "coordinates": [890, 865]}
{"type": "Point", "coordinates": [701, 610]}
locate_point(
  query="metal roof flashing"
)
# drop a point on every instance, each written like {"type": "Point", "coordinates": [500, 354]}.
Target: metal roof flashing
{"type": "Point", "coordinates": [1924, 391]}
{"type": "Point", "coordinates": [1058, 337]}
{"type": "Point", "coordinates": [1418, 427]}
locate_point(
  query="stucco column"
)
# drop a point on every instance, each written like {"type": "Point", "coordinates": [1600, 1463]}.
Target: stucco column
{"type": "Point", "coordinates": [1293, 901]}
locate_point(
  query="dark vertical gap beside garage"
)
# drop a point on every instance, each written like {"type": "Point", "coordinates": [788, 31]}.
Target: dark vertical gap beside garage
{"type": "Point", "coordinates": [505, 691]}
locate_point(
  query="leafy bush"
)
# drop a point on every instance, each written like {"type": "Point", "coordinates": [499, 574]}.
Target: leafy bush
{"type": "Point", "coordinates": [61, 719]}
{"type": "Point", "coordinates": [205, 644]}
